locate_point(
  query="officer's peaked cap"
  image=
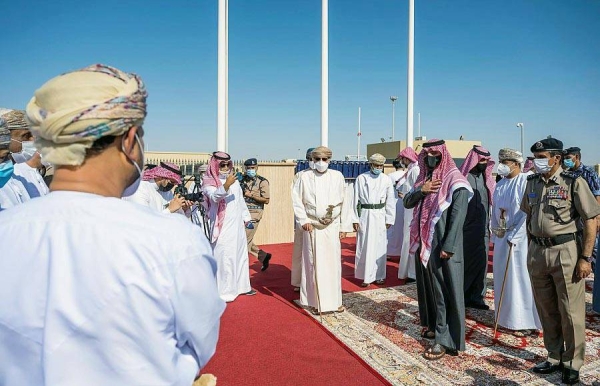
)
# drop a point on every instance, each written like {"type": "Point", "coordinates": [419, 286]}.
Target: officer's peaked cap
{"type": "Point", "coordinates": [547, 144]}
{"type": "Point", "coordinates": [251, 162]}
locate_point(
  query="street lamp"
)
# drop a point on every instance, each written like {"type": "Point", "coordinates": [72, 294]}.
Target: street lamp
{"type": "Point", "coordinates": [393, 99]}
{"type": "Point", "coordinates": [522, 137]}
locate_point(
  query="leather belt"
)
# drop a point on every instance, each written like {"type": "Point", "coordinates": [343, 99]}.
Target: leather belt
{"type": "Point", "coordinates": [552, 241]}
{"type": "Point", "coordinates": [254, 207]}
{"type": "Point", "coordinates": [373, 206]}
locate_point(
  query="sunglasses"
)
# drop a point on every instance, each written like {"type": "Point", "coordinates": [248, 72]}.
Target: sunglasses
{"type": "Point", "coordinates": [320, 159]}
{"type": "Point", "coordinates": [223, 164]}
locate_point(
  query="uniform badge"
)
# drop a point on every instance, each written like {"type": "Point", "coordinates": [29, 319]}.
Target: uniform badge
{"type": "Point", "coordinates": [539, 145]}
{"type": "Point", "coordinates": [557, 193]}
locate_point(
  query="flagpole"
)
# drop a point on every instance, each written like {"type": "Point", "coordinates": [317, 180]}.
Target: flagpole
{"type": "Point", "coordinates": [359, 134]}
{"type": "Point", "coordinates": [411, 73]}
{"type": "Point", "coordinates": [324, 75]}
{"type": "Point", "coordinates": [221, 79]}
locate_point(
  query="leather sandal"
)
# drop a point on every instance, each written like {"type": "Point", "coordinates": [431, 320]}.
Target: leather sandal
{"type": "Point", "coordinates": [435, 352]}
{"type": "Point", "coordinates": [427, 334]}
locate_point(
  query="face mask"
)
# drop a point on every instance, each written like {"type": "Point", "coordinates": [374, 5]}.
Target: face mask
{"type": "Point", "coordinates": [432, 161]}
{"type": "Point", "coordinates": [321, 166]}
{"type": "Point", "coordinates": [480, 168]}
{"type": "Point", "coordinates": [376, 171]}
{"type": "Point", "coordinates": [251, 173]}
{"type": "Point", "coordinates": [541, 165]}
{"type": "Point", "coordinates": [167, 188]}
{"type": "Point", "coordinates": [131, 189]}
{"type": "Point", "coordinates": [569, 163]}
{"type": "Point", "coordinates": [224, 174]}
{"type": "Point", "coordinates": [311, 165]}
{"type": "Point", "coordinates": [504, 170]}
{"type": "Point", "coordinates": [27, 151]}
{"type": "Point", "coordinates": [6, 172]}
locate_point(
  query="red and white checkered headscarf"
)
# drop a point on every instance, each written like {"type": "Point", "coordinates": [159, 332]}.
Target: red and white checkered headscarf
{"type": "Point", "coordinates": [211, 178]}
{"type": "Point", "coordinates": [477, 154]}
{"type": "Point", "coordinates": [408, 153]}
{"type": "Point", "coordinates": [164, 170]}
{"type": "Point", "coordinates": [428, 212]}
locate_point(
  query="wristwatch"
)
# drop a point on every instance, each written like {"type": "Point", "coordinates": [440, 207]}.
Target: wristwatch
{"type": "Point", "coordinates": [586, 258]}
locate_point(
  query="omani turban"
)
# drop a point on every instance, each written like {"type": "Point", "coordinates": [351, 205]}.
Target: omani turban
{"type": "Point", "coordinates": [322, 152]}
{"type": "Point", "coordinates": [71, 111]}
{"type": "Point", "coordinates": [510, 154]}
{"type": "Point", "coordinates": [377, 159]}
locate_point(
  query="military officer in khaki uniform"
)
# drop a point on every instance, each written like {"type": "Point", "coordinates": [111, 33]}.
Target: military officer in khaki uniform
{"type": "Point", "coordinates": [559, 259]}
{"type": "Point", "coordinates": [256, 195]}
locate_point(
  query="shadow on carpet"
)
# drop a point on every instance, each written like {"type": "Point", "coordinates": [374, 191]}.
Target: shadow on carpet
{"type": "Point", "coordinates": [382, 327]}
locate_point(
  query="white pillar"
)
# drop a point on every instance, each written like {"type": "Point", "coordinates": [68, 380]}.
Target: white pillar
{"type": "Point", "coordinates": [227, 76]}
{"type": "Point", "coordinates": [324, 75]}
{"type": "Point", "coordinates": [222, 78]}
{"type": "Point", "coordinates": [411, 73]}
{"type": "Point", "coordinates": [359, 134]}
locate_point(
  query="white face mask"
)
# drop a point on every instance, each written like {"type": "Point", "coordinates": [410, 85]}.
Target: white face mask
{"type": "Point", "coordinates": [504, 170]}
{"type": "Point", "coordinates": [321, 166]}
{"type": "Point", "coordinates": [131, 189]}
{"type": "Point", "coordinates": [27, 151]}
{"type": "Point", "coordinates": [311, 165]}
{"type": "Point", "coordinates": [541, 165]}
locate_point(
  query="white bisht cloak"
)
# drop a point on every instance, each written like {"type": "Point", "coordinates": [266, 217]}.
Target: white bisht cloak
{"type": "Point", "coordinates": [312, 196]}
{"type": "Point", "coordinates": [231, 247]}
{"type": "Point", "coordinates": [518, 307]}
{"type": "Point", "coordinates": [406, 267]}
{"type": "Point", "coordinates": [396, 231]}
{"type": "Point", "coordinates": [371, 240]}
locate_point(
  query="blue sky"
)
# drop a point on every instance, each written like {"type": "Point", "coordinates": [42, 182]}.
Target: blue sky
{"type": "Point", "coordinates": [480, 67]}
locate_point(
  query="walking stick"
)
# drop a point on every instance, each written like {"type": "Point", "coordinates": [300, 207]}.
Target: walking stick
{"type": "Point", "coordinates": [510, 248]}
{"type": "Point", "coordinates": [314, 251]}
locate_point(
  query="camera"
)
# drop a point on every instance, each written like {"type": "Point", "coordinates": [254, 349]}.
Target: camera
{"type": "Point", "coordinates": [195, 195]}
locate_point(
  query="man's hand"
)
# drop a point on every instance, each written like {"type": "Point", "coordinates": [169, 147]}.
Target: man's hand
{"type": "Point", "coordinates": [355, 226]}
{"type": "Point", "coordinates": [509, 243]}
{"type": "Point", "coordinates": [400, 195]}
{"type": "Point", "coordinates": [231, 178]}
{"type": "Point", "coordinates": [187, 204]}
{"type": "Point", "coordinates": [248, 193]}
{"type": "Point", "coordinates": [583, 269]}
{"type": "Point", "coordinates": [387, 226]}
{"type": "Point", "coordinates": [446, 255]}
{"type": "Point", "coordinates": [307, 227]}
{"type": "Point", "coordinates": [342, 235]}
{"type": "Point", "coordinates": [176, 203]}
{"type": "Point", "coordinates": [431, 186]}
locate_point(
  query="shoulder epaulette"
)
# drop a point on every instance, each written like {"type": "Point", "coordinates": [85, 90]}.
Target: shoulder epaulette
{"type": "Point", "coordinates": [569, 174]}
{"type": "Point", "coordinates": [261, 178]}
{"type": "Point", "coordinates": [532, 176]}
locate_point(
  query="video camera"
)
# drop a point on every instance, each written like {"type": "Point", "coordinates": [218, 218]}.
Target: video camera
{"type": "Point", "coordinates": [196, 194]}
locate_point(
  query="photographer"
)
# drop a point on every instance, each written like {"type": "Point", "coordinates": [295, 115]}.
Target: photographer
{"type": "Point", "coordinates": [256, 195]}
{"type": "Point", "coordinates": [155, 190]}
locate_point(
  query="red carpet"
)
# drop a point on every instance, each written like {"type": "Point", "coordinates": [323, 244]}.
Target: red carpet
{"type": "Point", "coordinates": [266, 340]}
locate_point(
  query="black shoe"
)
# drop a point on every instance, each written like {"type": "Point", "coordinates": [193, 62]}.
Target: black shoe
{"type": "Point", "coordinates": [409, 280]}
{"type": "Point", "coordinates": [479, 306]}
{"type": "Point", "coordinates": [250, 293]}
{"type": "Point", "coordinates": [547, 368]}
{"type": "Point", "coordinates": [570, 376]}
{"type": "Point", "coordinates": [265, 262]}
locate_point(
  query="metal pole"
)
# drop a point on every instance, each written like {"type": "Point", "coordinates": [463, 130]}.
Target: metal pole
{"type": "Point", "coordinates": [221, 79]}
{"type": "Point", "coordinates": [521, 126]}
{"type": "Point", "coordinates": [359, 134]}
{"type": "Point", "coordinates": [227, 76]}
{"type": "Point", "coordinates": [419, 115]}
{"type": "Point", "coordinates": [324, 75]}
{"type": "Point", "coordinates": [411, 73]}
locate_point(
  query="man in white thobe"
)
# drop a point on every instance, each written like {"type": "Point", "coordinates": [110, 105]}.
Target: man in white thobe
{"type": "Point", "coordinates": [101, 292]}
{"type": "Point", "coordinates": [374, 211]}
{"type": "Point", "coordinates": [28, 174]}
{"type": "Point", "coordinates": [406, 266]}
{"type": "Point", "coordinates": [227, 214]}
{"type": "Point", "coordinates": [298, 231]}
{"type": "Point", "coordinates": [12, 191]}
{"type": "Point", "coordinates": [317, 198]}
{"type": "Point", "coordinates": [518, 310]}
{"type": "Point", "coordinates": [396, 231]}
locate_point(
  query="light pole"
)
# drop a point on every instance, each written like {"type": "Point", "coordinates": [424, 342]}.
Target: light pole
{"type": "Point", "coordinates": [522, 137]}
{"type": "Point", "coordinates": [393, 99]}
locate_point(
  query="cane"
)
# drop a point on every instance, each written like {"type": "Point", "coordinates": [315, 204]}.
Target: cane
{"type": "Point", "coordinates": [314, 251]}
{"type": "Point", "coordinates": [502, 290]}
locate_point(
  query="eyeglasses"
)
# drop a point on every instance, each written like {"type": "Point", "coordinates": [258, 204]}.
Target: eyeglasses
{"type": "Point", "coordinates": [223, 164]}
{"type": "Point", "coordinates": [320, 159]}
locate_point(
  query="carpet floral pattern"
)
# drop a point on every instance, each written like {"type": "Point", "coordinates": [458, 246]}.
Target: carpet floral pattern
{"type": "Point", "coordinates": [382, 327]}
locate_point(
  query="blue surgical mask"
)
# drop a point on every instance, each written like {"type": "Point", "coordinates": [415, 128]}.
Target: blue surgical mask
{"type": "Point", "coordinates": [6, 172]}
{"type": "Point", "coordinates": [569, 163]}
{"type": "Point", "coordinates": [376, 171]}
{"type": "Point", "coordinates": [251, 173]}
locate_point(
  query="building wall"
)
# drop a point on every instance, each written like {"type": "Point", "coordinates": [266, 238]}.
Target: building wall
{"type": "Point", "coordinates": [457, 149]}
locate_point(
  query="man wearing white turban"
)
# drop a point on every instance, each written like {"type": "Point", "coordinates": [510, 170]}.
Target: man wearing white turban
{"type": "Point", "coordinates": [123, 295]}
{"type": "Point", "coordinates": [12, 191]}
{"type": "Point", "coordinates": [374, 211]}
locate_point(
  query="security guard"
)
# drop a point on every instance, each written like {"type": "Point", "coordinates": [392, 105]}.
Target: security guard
{"type": "Point", "coordinates": [558, 260]}
{"type": "Point", "coordinates": [256, 194]}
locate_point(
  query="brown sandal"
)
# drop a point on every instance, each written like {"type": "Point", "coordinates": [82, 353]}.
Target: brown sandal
{"type": "Point", "coordinates": [435, 352]}
{"type": "Point", "coordinates": [427, 334]}
{"type": "Point", "coordinates": [341, 309]}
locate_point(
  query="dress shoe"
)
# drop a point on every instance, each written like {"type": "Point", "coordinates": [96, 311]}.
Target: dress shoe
{"type": "Point", "coordinates": [409, 280]}
{"type": "Point", "coordinates": [265, 262]}
{"type": "Point", "coordinates": [547, 368]}
{"type": "Point", "coordinates": [570, 376]}
{"type": "Point", "coordinates": [479, 306]}
{"type": "Point", "coordinates": [250, 293]}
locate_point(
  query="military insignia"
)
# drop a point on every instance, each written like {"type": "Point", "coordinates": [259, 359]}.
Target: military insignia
{"type": "Point", "coordinates": [532, 177]}
{"type": "Point", "coordinates": [557, 193]}
{"type": "Point", "coordinates": [539, 145]}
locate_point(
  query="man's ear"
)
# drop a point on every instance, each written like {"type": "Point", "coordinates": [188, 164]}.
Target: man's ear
{"type": "Point", "coordinates": [129, 140]}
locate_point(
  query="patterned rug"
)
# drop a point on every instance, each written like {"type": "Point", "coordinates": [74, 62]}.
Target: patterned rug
{"type": "Point", "coordinates": [382, 327]}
